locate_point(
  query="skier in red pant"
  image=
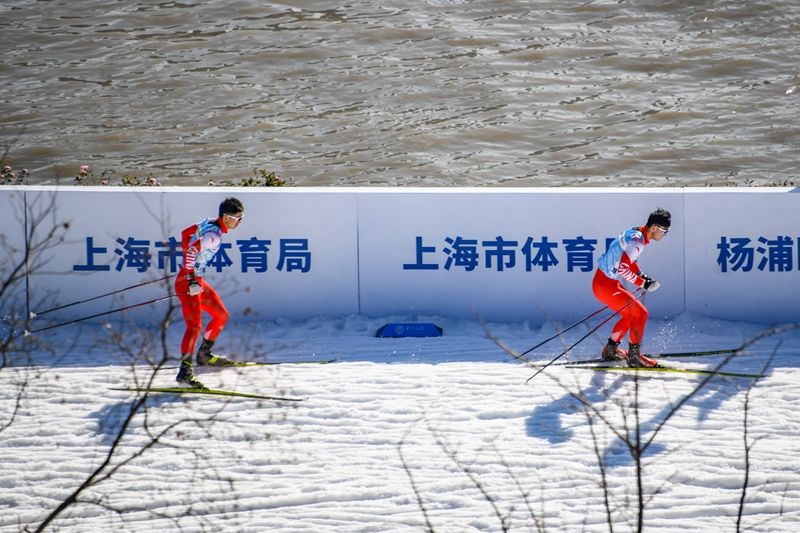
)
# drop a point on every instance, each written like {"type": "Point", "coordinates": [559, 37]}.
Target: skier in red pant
{"type": "Point", "coordinates": [619, 263]}
{"type": "Point", "coordinates": [200, 242]}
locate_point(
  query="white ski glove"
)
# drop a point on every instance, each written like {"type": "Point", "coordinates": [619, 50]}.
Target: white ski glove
{"type": "Point", "coordinates": [194, 285]}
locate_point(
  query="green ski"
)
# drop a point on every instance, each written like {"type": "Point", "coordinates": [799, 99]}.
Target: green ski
{"type": "Point", "coordinates": [724, 351]}
{"type": "Point", "coordinates": [274, 363]}
{"type": "Point", "coordinates": [672, 369]}
{"type": "Point", "coordinates": [214, 392]}
{"type": "Point", "coordinates": [243, 364]}
{"type": "Point", "coordinates": [655, 356]}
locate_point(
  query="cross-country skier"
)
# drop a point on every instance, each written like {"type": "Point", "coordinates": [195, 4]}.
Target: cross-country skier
{"type": "Point", "coordinates": [199, 243]}
{"type": "Point", "coordinates": [619, 263]}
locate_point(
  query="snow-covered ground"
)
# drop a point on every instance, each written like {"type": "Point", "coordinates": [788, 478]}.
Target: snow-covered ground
{"type": "Point", "coordinates": [415, 434]}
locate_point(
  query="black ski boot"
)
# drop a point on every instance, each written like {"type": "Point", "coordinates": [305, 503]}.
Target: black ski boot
{"type": "Point", "coordinates": [637, 360]}
{"type": "Point", "coordinates": [612, 352]}
{"type": "Point", "coordinates": [186, 376]}
{"type": "Point", "coordinates": [206, 358]}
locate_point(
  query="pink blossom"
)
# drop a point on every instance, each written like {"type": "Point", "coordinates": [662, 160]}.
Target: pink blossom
{"type": "Point", "coordinates": [6, 168]}
{"type": "Point", "coordinates": [84, 169]}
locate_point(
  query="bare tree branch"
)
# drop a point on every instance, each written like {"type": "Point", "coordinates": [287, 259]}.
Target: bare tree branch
{"type": "Point", "coordinates": [631, 431]}
{"type": "Point", "coordinates": [414, 487]}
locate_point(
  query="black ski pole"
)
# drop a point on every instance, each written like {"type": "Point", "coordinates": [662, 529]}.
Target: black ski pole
{"type": "Point", "coordinates": [559, 356]}
{"type": "Point", "coordinates": [34, 315]}
{"type": "Point", "coordinates": [558, 334]}
{"type": "Point", "coordinates": [27, 332]}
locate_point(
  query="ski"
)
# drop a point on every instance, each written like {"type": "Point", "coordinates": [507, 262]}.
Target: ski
{"type": "Point", "coordinates": [585, 362]}
{"type": "Point", "coordinates": [274, 363]}
{"type": "Point", "coordinates": [673, 369]}
{"type": "Point", "coordinates": [666, 355]}
{"type": "Point", "coordinates": [214, 392]}
{"type": "Point", "coordinates": [723, 351]}
{"type": "Point", "coordinates": [240, 364]}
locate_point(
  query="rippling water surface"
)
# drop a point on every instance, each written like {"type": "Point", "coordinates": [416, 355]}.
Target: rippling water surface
{"type": "Point", "coordinates": [412, 92]}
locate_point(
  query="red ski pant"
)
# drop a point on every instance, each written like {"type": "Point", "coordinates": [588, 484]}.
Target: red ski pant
{"type": "Point", "coordinates": [613, 294]}
{"type": "Point", "coordinates": [193, 306]}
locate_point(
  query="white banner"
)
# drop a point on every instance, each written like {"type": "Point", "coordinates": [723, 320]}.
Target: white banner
{"type": "Point", "coordinates": [512, 254]}
{"type": "Point", "coordinates": [293, 255]}
{"type": "Point", "coordinates": [743, 254]}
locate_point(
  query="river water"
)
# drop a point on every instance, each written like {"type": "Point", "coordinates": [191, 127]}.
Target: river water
{"type": "Point", "coordinates": [411, 92]}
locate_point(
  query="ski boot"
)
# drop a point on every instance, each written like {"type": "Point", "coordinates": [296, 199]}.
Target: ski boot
{"type": "Point", "coordinates": [637, 360]}
{"type": "Point", "coordinates": [206, 358]}
{"type": "Point", "coordinates": [186, 376]}
{"type": "Point", "coordinates": [612, 352]}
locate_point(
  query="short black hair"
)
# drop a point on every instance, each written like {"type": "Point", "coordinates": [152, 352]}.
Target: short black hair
{"type": "Point", "coordinates": [230, 205]}
{"type": "Point", "coordinates": [660, 217]}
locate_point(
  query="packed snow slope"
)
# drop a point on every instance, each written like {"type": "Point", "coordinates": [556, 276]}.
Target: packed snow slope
{"type": "Point", "coordinates": [400, 435]}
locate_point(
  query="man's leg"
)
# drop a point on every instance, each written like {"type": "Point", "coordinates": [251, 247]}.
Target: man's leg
{"type": "Point", "coordinates": [193, 319]}
{"type": "Point", "coordinates": [212, 304]}
{"type": "Point", "coordinates": [633, 319]}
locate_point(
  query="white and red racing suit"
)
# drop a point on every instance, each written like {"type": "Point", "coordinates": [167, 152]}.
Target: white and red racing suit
{"type": "Point", "coordinates": [200, 242]}
{"type": "Point", "coordinates": [619, 263]}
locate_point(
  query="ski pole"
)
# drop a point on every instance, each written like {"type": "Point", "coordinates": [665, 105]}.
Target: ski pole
{"type": "Point", "coordinates": [34, 315]}
{"type": "Point", "coordinates": [558, 334]}
{"type": "Point", "coordinates": [556, 358]}
{"type": "Point", "coordinates": [27, 332]}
